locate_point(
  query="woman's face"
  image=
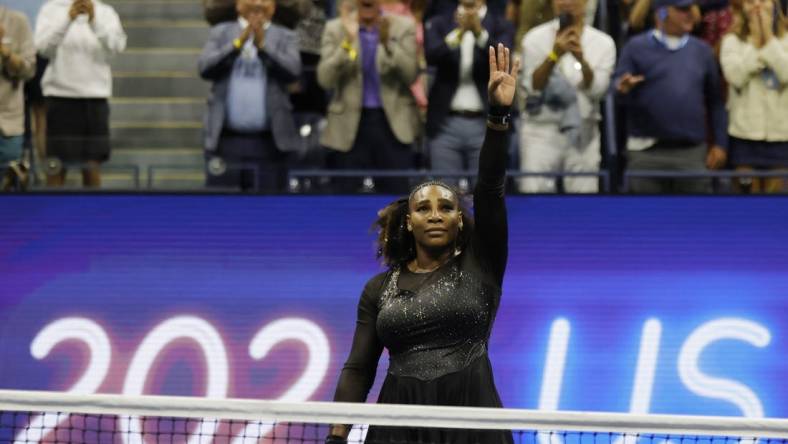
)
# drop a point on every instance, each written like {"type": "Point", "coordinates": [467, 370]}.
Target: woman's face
{"type": "Point", "coordinates": [435, 218]}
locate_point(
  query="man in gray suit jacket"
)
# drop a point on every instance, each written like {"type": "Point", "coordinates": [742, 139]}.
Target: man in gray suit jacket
{"type": "Point", "coordinates": [249, 127]}
{"type": "Point", "coordinates": [370, 61]}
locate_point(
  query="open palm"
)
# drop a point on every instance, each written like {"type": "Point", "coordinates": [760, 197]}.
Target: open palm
{"type": "Point", "coordinates": [503, 79]}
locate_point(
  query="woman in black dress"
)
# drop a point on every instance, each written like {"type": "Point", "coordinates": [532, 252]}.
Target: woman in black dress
{"type": "Point", "coordinates": [434, 307]}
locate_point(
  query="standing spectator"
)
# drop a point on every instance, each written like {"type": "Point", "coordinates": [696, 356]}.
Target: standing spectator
{"type": "Point", "coordinates": [457, 46]}
{"type": "Point", "coordinates": [249, 127]}
{"type": "Point", "coordinates": [78, 37]}
{"type": "Point", "coordinates": [754, 60]}
{"type": "Point", "coordinates": [35, 106]}
{"type": "Point", "coordinates": [567, 73]}
{"type": "Point", "coordinates": [17, 63]}
{"type": "Point", "coordinates": [668, 82]}
{"type": "Point", "coordinates": [369, 60]}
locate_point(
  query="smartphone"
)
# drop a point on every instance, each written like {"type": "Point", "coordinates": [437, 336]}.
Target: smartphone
{"type": "Point", "coordinates": [565, 20]}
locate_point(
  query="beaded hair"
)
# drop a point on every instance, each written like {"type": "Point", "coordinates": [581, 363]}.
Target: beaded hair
{"type": "Point", "coordinates": [395, 244]}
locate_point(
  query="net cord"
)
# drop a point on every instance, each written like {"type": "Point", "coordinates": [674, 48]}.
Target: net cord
{"type": "Point", "coordinates": [391, 415]}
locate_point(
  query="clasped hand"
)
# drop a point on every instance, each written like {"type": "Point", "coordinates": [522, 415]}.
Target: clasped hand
{"type": "Point", "coordinates": [79, 7]}
{"type": "Point", "coordinates": [350, 23]}
{"type": "Point", "coordinates": [468, 20]}
{"type": "Point", "coordinates": [568, 41]}
{"type": "Point", "coordinates": [760, 22]}
{"type": "Point", "coordinates": [256, 31]}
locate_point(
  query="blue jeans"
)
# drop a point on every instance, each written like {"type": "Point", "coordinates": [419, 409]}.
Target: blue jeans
{"type": "Point", "coordinates": [10, 148]}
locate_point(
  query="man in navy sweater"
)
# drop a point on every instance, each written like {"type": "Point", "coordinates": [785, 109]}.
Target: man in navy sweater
{"type": "Point", "coordinates": [669, 84]}
{"type": "Point", "coordinates": [456, 45]}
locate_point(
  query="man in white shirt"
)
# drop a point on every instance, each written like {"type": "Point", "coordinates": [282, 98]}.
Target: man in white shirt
{"type": "Point", "coordinates": [78, 37]}
{"type": "Point", "coordinates": [456, 115]}
{"type": "Point", "coordinates": [567, 68]}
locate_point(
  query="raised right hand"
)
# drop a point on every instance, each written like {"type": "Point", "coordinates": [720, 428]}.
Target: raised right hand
{"type": "Point", "coordinates": [503, 76]}
{"type": "Point", "coordinates": [627, 82]}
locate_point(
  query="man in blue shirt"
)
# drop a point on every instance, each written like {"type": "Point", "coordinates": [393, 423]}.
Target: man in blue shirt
{"type": "Point", "coordinates": [249, 126]}
{"type": "Point", "coordinates": [669, 84]}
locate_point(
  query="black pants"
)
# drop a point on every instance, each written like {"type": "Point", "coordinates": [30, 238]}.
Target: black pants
{"type": "Point", "coordinates": [77, 129]}
{"type": "Point", "coordinates": [250, 162]}
{"type": "Point", "coordinates": [375, 147]}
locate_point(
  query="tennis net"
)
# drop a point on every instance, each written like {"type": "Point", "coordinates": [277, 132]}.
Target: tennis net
{"type": "Point", "coordinates": [55, 417]}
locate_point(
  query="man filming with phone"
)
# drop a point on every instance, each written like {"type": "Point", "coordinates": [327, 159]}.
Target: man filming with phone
{"type": "Point", "coordinates": [566, 72]}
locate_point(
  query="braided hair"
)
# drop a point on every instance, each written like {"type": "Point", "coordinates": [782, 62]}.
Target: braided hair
{"type": "Point", "coordinates": [395, 244]}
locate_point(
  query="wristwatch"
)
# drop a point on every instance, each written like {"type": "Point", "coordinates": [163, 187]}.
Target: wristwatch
{"type": "Point", "coordinates": [499, 118]}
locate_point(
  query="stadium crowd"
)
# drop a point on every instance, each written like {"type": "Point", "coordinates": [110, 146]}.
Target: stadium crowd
{"type": "Point", "coordinates": [698, 85]}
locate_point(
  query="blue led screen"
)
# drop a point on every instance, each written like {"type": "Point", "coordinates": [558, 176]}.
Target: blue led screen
{"type": "Point", "coordinates": [652, 304]}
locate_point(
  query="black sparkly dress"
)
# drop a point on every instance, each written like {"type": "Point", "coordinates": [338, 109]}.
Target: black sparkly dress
{"type": "Point", "coordinates": [436, 325]}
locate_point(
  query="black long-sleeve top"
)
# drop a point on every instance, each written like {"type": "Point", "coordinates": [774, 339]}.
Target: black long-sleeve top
{"type": "Point", "coordinates": [436, 323]}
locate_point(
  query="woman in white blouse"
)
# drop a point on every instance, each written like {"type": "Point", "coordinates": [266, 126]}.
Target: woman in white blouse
{"type": "Point", "coordinates": [754, 58]}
